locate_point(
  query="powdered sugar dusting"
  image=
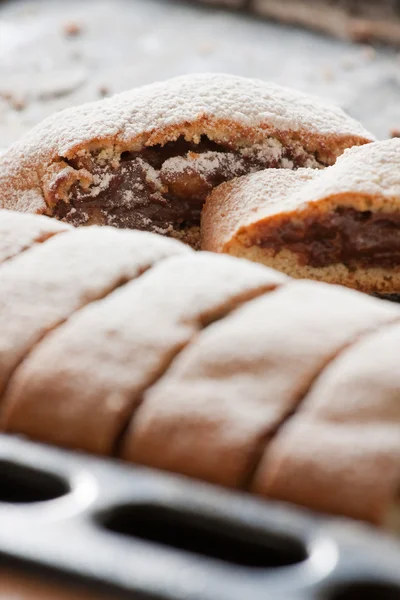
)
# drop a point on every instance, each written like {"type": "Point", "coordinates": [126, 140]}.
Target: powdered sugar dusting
{"type": "Point", "coordinates": [165, 188]}
{"type": "Point", "coordinates": [122, 344]}
{"type": "Point", "coordinates": [365, 177]}
{"type": "Point", "coordinates": [206, 164]}
{"type": "Point", "coordinates": [371, 171]}
{"type": "Point", "coordinates": [244, 201]}
{"type": "Point", "coordinates": [42, 287]}
{"type": "Point", "coordinates": [18, 232]}
{"type": "Point", "coordinates": [225, 107]}
{"type": "Point", "coordinates": [101, 182]}
{"type": "Point", "coordinates": [346, 436]}
{"type": "Point", "coordinates": [243, 375]}
{"type": "Point", "coordinates": [358, 387]}
{"type": "Point", "coordinates": [270, 153]}
{"type": "Point", "coordinates": [152, 176]}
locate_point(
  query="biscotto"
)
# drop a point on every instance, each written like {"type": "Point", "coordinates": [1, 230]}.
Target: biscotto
{"type": "Point", "coordinates": [341, 452]}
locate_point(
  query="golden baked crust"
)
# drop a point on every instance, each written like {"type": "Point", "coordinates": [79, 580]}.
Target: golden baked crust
{"type": "Point", "coordinates": [365, 180]}
{"type": "Point", "coordinates": [39, 170]}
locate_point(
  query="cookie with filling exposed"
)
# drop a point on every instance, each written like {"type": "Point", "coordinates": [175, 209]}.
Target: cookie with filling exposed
{"type": "Point", "coordinates": [340, 225]}
{"type": "Point", "coordinates": [147, 159]}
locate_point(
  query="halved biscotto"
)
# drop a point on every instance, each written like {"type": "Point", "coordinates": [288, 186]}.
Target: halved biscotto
{"type": "Point", "coordinates": [340, 225]}
{"type": "Point", "coordinates": [147, 159]}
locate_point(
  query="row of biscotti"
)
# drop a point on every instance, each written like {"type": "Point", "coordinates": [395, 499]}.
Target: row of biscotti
{"type": "Point", "coordinates": [224, 410]}
{"type": "Point", "coordinates": [198, 365]}
{"type": "Point", "coordinates": [359, 21]}
{"type": "Point", "coordinates": [110, 328]}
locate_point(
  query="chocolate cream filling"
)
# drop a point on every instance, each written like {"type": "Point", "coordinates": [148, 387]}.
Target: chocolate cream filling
{"type": "Point", "coordinates": [163, 188]}
{"type": "Point", "coordinates": [345, 235]}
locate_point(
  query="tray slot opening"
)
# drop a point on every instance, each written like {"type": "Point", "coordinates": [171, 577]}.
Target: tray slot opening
{"type": "Point", "coordinates": [365, 591]}
{"type": "Point", "coordinates": [20, 484]}
{"type": "Point", "coordinates": [198, 534]}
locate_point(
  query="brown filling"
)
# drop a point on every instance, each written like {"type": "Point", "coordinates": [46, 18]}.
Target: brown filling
{"type": "Point", "coordinates": [348, 236]}
{"type": "Point", "coordinates": [163, 189]}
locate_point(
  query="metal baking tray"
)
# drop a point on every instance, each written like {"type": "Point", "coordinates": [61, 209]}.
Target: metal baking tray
{"type": "Point", "coordinates": [129, 532]}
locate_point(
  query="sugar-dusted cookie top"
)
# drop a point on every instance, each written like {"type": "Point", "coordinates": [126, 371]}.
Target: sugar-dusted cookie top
{"type": "Point", "coordinates": [364, 177]}
{"type": "Point", "coordinates": [227, 109]}
{"type": "Point", "coordinates": [340, 224]}
{"type": "Point", "coordinates": [372, 170]}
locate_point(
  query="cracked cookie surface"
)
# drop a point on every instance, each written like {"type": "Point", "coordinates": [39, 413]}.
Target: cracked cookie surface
{"type": "Point", "coordinates": [148, 158]}
{"type": "Point", "coordinates": [340, 225]}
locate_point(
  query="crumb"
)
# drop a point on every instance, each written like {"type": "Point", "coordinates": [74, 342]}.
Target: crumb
{"type": "Point", "coordinates": [395, 133]}
{"type": "Point", "coordinates": [71, 29]}
{"type": "Point", "coordinates": [18, 104]}
{"type": "Point", "coordinates": [13, 102]}
{"type": "Point", "coordinates": [104, 90]}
